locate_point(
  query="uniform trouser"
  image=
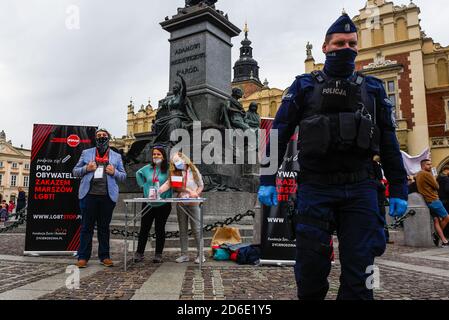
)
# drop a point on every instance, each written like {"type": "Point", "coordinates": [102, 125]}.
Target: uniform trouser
{"type": "Point", "coordinates": [360, 229]}
{"type": "Point", "coordinates": [160, 215]}
{"type": "Point", "coordinates": [95, 210]}
{"type": "Point", "coordinates": [183, 220]}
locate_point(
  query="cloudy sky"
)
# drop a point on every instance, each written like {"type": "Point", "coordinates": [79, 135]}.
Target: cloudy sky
{"type": "Point", "coordinates": [53, 74]}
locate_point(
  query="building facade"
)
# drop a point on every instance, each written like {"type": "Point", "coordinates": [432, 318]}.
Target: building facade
{"type": "Point", "coordinates": [392, 47]}
{"type": "Point", "coordinates": [415, 72]}
{"type": "Point", "coordinates": [137, 123]}
{"type": "Point", "coordinates": [268, 100]}
{"type": "Point", "coordinates": [14, 169]}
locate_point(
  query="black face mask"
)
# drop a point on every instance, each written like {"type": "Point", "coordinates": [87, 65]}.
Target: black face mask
{"type": "Point", "coordinates": [102, 144]}
{"type": "Point", "coordinates": [340, 63]}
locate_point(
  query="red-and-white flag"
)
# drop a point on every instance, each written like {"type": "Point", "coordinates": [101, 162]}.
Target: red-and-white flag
{"type": "Point", "coordinates": [176, 181]}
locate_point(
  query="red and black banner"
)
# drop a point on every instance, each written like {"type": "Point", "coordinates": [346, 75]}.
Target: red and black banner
{"type": "Point", "coordinates": [276, 244]}
{"type": "Point", "coordinates": [53, 217]}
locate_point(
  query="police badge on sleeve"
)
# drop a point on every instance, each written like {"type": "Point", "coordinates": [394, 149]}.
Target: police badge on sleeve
{"type": "Point", "coordinates": [394, 122]}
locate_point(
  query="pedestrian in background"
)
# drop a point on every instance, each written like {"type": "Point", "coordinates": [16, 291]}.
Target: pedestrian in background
{"type": "Point", "coordinates": [443, 182]}
{"type": "Point", "coordinates": [21, 202]}
{"type": "Point", "coordinates": [11, 207]}
{"type": "Point", "coordinates": [428, 187]}
{"type": "Point", "coordinates": [3, 212]}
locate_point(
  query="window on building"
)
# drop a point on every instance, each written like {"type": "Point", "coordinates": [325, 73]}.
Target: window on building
{"type": "Point", "coordinates": [1, 164]}
{"type": "Point", "coordinates": [1, 179]}
{"type": "Point", "coordinates": [391, 89]}
{"type": "Point", "coordinates": [27, 166]}
{"type": "Point", "coordinates": [377, 35]}
{"type": "Point", "coordinates": [26, 181]}
{"type": "Point", "coordinates": [401, 30]}
{"type": "Point", "coordinates": [13, 180]}
{"type": "Point", "coordinates": [15, 165]}
{"type": "Point", "coordinates": [273, 109]}
{"type": "Point", "coordinates": [443, 72]}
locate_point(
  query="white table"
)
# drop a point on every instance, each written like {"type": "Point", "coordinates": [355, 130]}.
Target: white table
{"type": "Point", "coordinates": [139, 214]}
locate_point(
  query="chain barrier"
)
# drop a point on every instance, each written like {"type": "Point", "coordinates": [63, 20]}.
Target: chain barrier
{"type": "Point", "coordinates": [22, 217]}
{"type": "Point", "coordinates": [399, 221]}
{"type": "Point", "coordinates": [175, 234]}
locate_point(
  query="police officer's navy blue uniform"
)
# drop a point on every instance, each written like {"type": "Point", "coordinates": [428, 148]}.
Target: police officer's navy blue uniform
{"type": "Point", "coordinates": [344, 120]}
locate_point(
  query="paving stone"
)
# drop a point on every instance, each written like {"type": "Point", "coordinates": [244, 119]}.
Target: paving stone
{"type": "Point", "coordinates": [225, 281]}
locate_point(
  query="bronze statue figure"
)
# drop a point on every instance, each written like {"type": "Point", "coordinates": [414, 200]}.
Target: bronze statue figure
{"type": "Point", "coordinates": [233, 114]}
{"type": "Point", "coordinates": [176, 112]}
{"type": "Point", "coordinates": [190, 3]}
{"type": "Point", "coordinates": [252, 118]}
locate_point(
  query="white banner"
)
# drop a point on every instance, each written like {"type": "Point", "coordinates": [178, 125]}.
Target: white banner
{"type": "Point", "coordinates": [413, 164]}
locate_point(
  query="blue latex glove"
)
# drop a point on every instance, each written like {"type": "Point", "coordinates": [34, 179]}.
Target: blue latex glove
{"type": "Point", "coordinates": [398, 207]}
{"type": "Point", "coordinates": [268, 196]}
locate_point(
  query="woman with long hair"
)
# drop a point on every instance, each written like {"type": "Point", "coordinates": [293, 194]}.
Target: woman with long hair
{"type": "Point", "coordinates": [186, 181]}
{"type": "Point", "coordinates": [149, 177]}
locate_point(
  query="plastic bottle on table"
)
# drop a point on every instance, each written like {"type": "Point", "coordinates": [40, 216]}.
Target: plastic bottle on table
{"type": "Point", "coordinates": [157, 186]}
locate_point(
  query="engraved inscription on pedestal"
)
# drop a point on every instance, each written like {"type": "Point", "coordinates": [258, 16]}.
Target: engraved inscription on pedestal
{"type": "Point", "coordinates": [188, 59]}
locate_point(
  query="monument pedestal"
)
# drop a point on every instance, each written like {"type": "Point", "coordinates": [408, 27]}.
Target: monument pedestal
{"type": "Point", "coordinates": [200, 51]}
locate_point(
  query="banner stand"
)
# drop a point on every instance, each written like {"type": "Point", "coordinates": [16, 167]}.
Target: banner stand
{"type": "Point", "coordinates": [53, 224]}
{"type": "Point", "coordinates": [49, 253]}
{"type": "Point", "coordinates": [279, 263]}
{"type": "Point", "coordinates": [277, 246]}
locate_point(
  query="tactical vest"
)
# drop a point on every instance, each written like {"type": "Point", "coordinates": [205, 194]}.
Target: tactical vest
{"type": "Point", "coordinates": [339, 121]}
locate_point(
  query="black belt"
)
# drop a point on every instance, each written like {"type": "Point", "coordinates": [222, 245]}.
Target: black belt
{"type": "Point", "coordinates": [333, 178]}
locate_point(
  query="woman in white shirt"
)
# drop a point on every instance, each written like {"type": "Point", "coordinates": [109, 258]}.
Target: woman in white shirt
{"type": "Point", "coordinates": [186, 182]}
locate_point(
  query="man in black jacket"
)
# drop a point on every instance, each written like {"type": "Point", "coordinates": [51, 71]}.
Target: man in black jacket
{"type": "Point", "coordinates": [21, 202]}
{"type": "Point", "coordinates": [443, 181]}
{"type": "Point", "coordinates": [443, 192]}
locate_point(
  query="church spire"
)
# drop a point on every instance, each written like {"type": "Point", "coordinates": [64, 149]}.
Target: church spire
{"type": "Point", "coordinates": [246, 30]}
{"type": "Point", "coordinates": [246, 68]}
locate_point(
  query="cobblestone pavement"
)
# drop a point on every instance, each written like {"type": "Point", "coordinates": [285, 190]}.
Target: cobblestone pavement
{"type": "Point", "coordinates": [109, 284]}
{"type": "Point", "coordinates": [405, 273]}
{"type": "Point", "coordinates": [278, 283]}
{"type": "Point", "coordinates": [17, 274]}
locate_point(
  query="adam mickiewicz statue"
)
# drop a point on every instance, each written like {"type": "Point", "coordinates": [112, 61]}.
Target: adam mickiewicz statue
{"type": "Point", "coordinates": [190, 3]}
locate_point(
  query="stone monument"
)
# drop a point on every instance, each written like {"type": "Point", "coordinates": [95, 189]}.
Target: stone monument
{"type": "Point", "coordinates": [200, 92]}
{"type": "Point", "coordinates": [200, 51]}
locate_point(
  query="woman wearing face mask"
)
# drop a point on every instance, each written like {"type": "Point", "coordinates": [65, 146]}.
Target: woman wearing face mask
{"type": "Point", "coordinates": [187, 182]}
{"type": "Point", "coordinates": [152, 176]}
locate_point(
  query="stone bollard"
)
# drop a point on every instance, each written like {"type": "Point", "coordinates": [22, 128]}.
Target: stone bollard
{"type": "Point", "coordinates": [418, 228]}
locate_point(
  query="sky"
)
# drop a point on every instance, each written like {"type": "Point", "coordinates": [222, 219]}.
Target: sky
{"type": "Point", "coordinates": [57, 69]}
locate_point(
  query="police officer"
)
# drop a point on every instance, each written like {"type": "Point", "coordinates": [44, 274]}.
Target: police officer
{"type": "Point", "coordinates": [344, 118]}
